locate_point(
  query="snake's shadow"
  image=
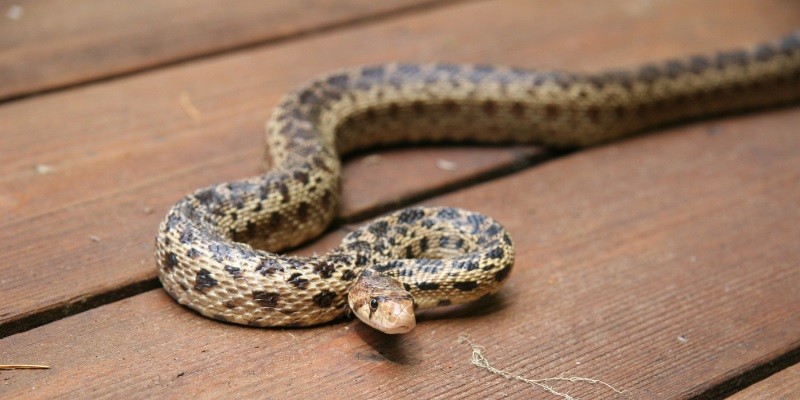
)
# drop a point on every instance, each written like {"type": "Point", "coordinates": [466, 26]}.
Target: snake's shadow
{"type": "Point", "coordinates": [392, 348]}
{"type": "Point", "coordinates": [484, 306]}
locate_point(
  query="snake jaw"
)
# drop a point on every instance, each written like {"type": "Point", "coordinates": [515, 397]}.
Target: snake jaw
{"type": "Point", "coordinates": [382, 303]}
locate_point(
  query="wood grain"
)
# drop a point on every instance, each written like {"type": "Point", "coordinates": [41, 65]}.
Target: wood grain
{"type": "Point", "coordinates": [664, 265]}
{"type": "Point", "coordinates": [57, 43]}
{"type": "Point", "coordinates": [784, 385]}
{"type": "Point", "coordinates": [126, 149]}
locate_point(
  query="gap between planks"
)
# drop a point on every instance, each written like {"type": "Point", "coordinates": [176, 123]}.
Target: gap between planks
{"type": "Point", "coordinates": [325, 28]}
{"type": "Point", "coordinates": [64, 310]}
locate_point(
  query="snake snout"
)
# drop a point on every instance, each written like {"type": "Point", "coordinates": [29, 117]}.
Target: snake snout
{"type": "Point", "coordinates": [399, 318]}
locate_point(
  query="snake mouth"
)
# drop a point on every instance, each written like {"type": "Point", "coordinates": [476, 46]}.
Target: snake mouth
{"type": "Point", "coordinates": [401, 321]}
{"type": "Point", "coordinates": [398, 329]}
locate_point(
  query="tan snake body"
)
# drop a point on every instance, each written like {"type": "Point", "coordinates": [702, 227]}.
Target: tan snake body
{"type": "Point", "coordinates": [421, 257]}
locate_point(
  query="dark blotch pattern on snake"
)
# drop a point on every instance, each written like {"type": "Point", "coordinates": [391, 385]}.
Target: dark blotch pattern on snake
{"type": "Point", "coordinates": [419, 257]}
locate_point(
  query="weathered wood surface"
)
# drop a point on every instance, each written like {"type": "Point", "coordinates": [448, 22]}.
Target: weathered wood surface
{"type": "Point", "coordinates": [46, 44]}
{"type": "Point", "coordinates": [126, 149]}
{"type": "Point", "coordinates": [784, 385]}
{"type": "Point", "coordinates": [664, 265]}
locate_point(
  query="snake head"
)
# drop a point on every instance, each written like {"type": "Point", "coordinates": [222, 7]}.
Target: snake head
{"type": "Point", "coordinates": [382, 303]}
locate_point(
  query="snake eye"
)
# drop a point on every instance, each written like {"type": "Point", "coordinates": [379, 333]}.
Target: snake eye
{"type": "Point", "coordinates": [373, 304]}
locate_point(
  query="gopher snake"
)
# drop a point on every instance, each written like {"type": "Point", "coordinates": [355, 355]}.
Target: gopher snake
{"type": "Point", "coordinates": [418, 257]}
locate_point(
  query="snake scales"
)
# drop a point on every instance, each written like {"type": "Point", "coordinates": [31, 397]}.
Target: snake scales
{"type": "Point", "coordinates": [419, 257]}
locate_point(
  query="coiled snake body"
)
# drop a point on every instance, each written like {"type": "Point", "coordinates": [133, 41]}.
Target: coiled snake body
{"type": "Point", "coordinates": [419, 257]}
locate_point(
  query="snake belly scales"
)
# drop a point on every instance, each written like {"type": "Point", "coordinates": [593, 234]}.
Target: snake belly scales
{"type": "Point", "coordinates": [216, 248]}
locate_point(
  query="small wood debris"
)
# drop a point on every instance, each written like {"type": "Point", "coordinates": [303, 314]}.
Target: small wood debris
{"type": "Point", "coordinates": [15, 12]}
{"type": "Point", "coordinates": [4, 367]}
{"type": "Point", "coordinates": [371, 159]}
{"type": "Point", "coordinates": [188, 107]}
{"type": "Point", "coordinates": [43, 169]}
{"type": "Point", "coordinates": [446, 165]}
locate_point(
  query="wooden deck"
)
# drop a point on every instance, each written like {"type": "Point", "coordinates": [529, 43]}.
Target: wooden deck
{"type": "Point", "coordinates": [667, 265]}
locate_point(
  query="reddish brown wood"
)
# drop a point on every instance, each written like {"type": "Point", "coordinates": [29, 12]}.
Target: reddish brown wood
{"type": "Point", "coordinates": [784, 385]}
{"type": "Point", "coordinates": [56, 43]}
{"type": "Point", "coordinates": [124, 150]}
{"type": "Point", "coordinates": [663, 265]}
{"type": "Point", "coordinates": [421, 172]}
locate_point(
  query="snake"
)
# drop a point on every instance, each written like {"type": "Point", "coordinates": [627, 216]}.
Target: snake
{"type": "Point", "coordinates": [218, 249]}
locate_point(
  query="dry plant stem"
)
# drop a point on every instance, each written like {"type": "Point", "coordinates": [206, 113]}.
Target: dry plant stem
{"type": "Point", "coordinates": [479, 360]}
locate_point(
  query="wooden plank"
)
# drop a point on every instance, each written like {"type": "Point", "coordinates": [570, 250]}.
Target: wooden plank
{"type": "Point", "coordinates": [365, 191]}
{"type": "Point", "coordinates": [115, 135]}
{"type": "Point", "coordinates": [663, 265]}
{"type": "Point", "coordinates": [784, 385]}
{"type": "Point", "coordinates": [49, 44]}
{"type": "Point", "coordinates": [125, 149]}
{"type": "Point", "coordinates": [85, 249]}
